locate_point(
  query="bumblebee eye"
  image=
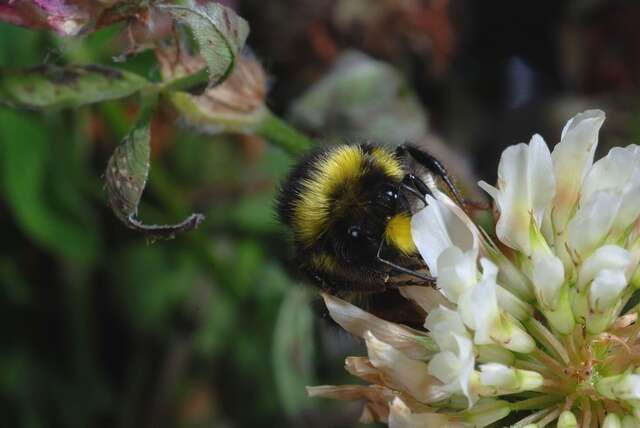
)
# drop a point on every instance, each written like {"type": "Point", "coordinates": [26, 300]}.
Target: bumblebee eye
{"type": "Point", "coordinates": [353, 232]}
{"type": "Point", "coordinates": [388, 197]}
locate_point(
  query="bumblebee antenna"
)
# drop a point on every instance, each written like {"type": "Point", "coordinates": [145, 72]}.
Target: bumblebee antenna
{"type": "Point", "coordinates": [419, 275]}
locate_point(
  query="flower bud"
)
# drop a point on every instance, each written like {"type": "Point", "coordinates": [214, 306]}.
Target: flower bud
{"type": "Point", "coordinates": [547, 277]}
{"type": "Point", "coordinates": [486, 412]}
{"type": "Point", "coordinates": [562, 318]}
{"type": "Point", "coordinates": [511, 278]}
{"type": "Point", "coordinates": [567, 420]}
{"type": "Point", "coordinates": [599, 322]}
{"type": "Point", "coordinates": [609, 258]}
{"type": "Point", "coordinates": [630, 422]}
{"type": "Point", "coordinates": [514, 306]}
{"type": "Point", "coordinates": [623, 387]}
{"type": "Point", "coordinates": [494, 353]}
{"type": "Point", "coordinates": [500, 379]}
{"type": "Point", "coordinates": [612, 421]}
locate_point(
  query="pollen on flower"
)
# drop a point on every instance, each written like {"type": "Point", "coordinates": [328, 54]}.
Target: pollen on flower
{"type": "Point", "coordinates": [540, 334]}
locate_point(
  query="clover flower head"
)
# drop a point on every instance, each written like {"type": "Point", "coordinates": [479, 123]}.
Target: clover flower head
{"type": "Point", "coordinates": [526, 330]}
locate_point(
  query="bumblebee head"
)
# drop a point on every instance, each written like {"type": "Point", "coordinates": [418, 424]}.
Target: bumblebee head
{"type": "Point", "coordinates": [345, 200]}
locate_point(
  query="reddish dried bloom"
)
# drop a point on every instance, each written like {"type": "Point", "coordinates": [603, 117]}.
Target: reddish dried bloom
{"type": "Point", "coordinates": [69, 17]}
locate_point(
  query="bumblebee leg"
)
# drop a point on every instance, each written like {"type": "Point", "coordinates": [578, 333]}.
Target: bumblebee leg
{"type": "Point", "coordinates": [403, 269]}
{"type": "Point", "coordinates": [418, 185]}
{"type": "Point", "coordinates": [337, 286]}
{"type": "Point", "coordinates": [409, 282]}
{"type": "Point", "coordinates": [433, 165]}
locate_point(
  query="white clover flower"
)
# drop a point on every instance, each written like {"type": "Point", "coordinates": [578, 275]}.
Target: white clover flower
{"type": "Point", "coordinates": [529, 331]}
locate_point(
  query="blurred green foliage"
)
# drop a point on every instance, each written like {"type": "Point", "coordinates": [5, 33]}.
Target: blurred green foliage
{"type": "Point", "coordinates": [100, 327]}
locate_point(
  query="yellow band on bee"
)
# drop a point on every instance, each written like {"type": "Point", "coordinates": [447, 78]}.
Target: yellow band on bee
{"type": "Point", "coordinates": [324, 262]}
{"type": "Point", "coordinates": [398, 233]}
{"type": "Point", "coordinates": [389, 163]}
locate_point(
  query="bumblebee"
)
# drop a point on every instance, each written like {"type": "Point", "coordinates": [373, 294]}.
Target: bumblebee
{"type": "Point", "coordinates": [349, 208]}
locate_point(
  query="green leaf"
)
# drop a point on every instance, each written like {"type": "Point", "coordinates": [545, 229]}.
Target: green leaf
{"type": "Point", "coordinates": [293, 351]}
{"type": "Point", "coordinates": [126, 178]}
{"type": "Point", "coordinates": [72, 86]}
{"type": "Point", "coordinates": [255, 214]}
{"type": "Point", "coordinates": [220, 33]}
{"type": "Point", "coordinates": [26, 156]}
{"type": "Point", "coordinates": [154, 283]}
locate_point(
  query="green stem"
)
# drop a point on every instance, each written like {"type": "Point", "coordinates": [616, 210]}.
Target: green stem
{"type": "Point", "coordinates": [148, 104]}
{"type": "Point", "coordinates": [281, 134]}
{"type": "Point", "coordinates": [547, 339]}
{"type": "Point", "coordinates": [195, 82]}
{"type": "Point", "coordinates": [535, 403]}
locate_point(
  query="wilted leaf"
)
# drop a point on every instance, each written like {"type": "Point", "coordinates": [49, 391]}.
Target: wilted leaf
{"type": "Point", "coordinates": [126, 177]}
{"type": "Point", "coordinates": [220, 33]}
{"type": "Point", "coordinates": [293, 349]}
{"type": "Point", "coordinates": [54, 87]}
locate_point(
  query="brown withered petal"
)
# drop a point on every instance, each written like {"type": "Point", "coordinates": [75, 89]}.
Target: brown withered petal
{"type": "Point", "coordinates": [401, 416]}
{"type": "Point", "coordinates": [377, 398]}
{"type": "Point", "coordinates": [374, 412]}
{"type": "Point", "coordinates": [69, 17]}
{"type": "Point", "coordinates": [243, 92]}
{"type": "Point", "coordinates": [350, 392]}
{"type": "Point", "coordinates": [235, 104]}
{"type": "Point", "coordinates": [362, 368]}
{"type": "Point", "coordinates": [358, 322]}
{"type": "Point", "coordinates": [401, 373]}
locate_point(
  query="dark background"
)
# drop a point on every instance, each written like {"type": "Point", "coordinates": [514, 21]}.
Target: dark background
{"type": "Point", "coordinates": [101, 328]}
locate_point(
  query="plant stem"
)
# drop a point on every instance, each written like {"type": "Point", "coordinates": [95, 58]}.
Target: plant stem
{"type": "Point", "coordinates": [195, 82]}
{"type": "Point", "coordinates": [281, 134]}
{"type": "Point", "coordinates": [535, 403]}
